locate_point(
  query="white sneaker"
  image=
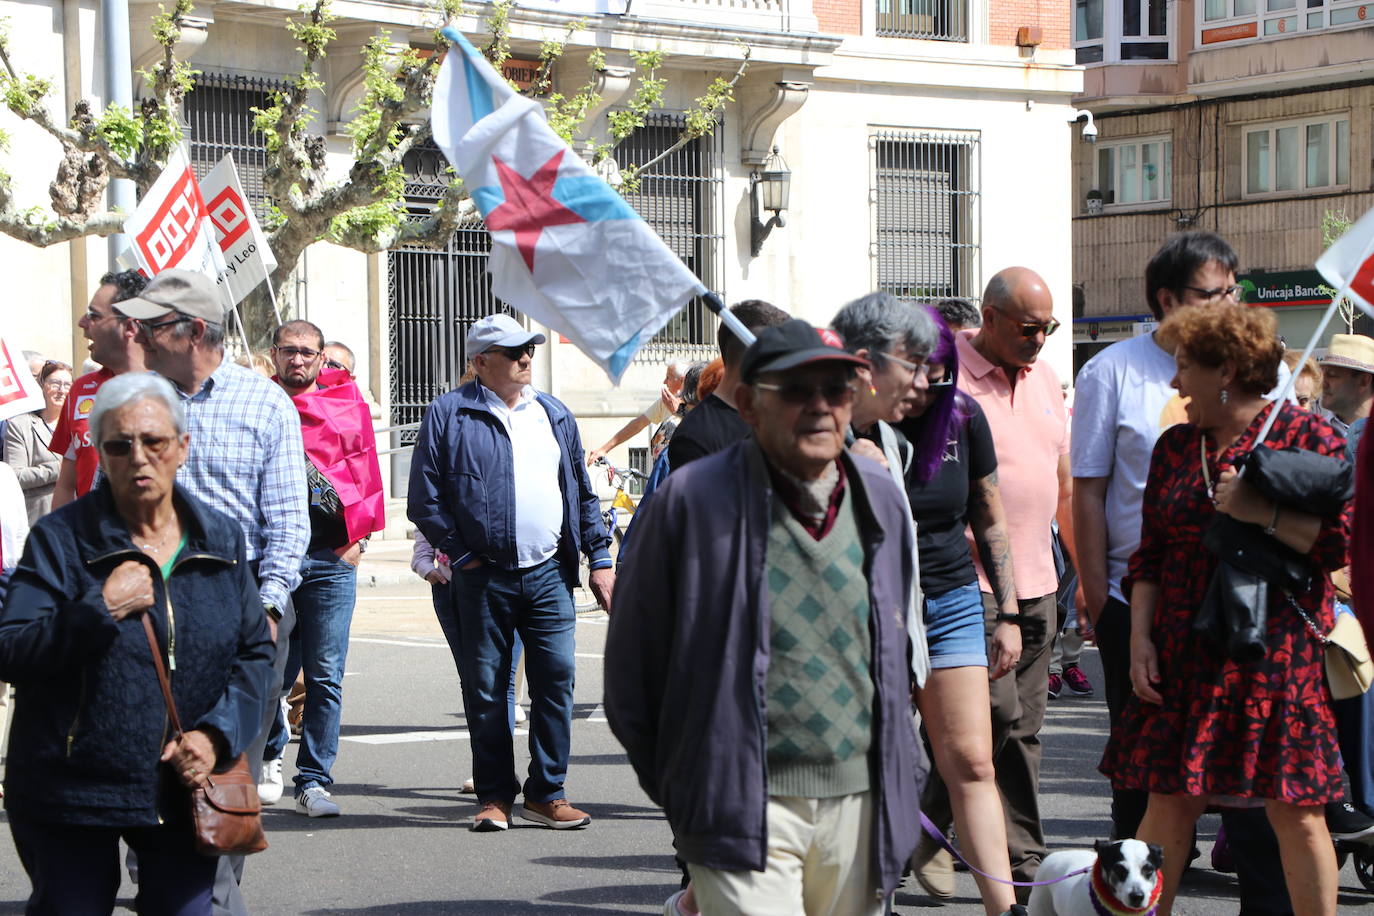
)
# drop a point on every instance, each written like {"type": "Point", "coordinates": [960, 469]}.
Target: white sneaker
{"type": "Point", "coordinates": [315, 802]}
{"type": "Point", "coordinates": [269, 782]}
{"type": "Point", "coordinates": [519, 714]}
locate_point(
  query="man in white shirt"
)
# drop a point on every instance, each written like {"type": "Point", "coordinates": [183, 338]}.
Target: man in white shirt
{"type": "Point", "coordinates": [1123, 400]}
{"type": "Point", "coordinates": [498, 484]}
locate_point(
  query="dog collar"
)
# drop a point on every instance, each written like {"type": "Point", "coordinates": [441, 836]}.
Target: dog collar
{"type": "Point", "coordinates": [1104, 900]}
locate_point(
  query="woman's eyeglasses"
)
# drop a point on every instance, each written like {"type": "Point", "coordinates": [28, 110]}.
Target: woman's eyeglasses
{"type": "Point", "coordinates": [122, 448]}
{"type": "Point", "coordinates": [836, 394]}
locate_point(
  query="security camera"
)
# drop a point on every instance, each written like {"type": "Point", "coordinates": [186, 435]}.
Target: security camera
{"type": "Point", "coordinates": [1089, 128]}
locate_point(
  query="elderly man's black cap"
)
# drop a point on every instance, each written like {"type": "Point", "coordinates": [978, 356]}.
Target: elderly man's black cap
{"type": "Point", "coordinates": [791, 344]}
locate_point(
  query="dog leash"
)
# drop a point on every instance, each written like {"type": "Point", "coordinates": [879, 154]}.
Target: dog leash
{"type": "Point", "coordinates": [938, 836]}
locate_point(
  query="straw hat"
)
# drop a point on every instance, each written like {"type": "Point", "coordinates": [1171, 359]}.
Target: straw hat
{"type": "Point", "coordinates": [1350, 351]}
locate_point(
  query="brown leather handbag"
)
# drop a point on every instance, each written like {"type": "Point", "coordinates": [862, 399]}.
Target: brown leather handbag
{"type": "Point", "coordinates": [226, 815]}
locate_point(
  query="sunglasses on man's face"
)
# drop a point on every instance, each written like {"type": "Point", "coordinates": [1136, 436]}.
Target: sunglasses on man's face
{"type": "Point", "coordinates": [150, 327]}
{"type": "Point", "coordinates": [1031, 328]}
{"type": "Point", "coordinates": [836, 393]}
{"type": "Point", "coordinates": [514, 353]}
{"type": "Point", "coordinates": [122, 448]}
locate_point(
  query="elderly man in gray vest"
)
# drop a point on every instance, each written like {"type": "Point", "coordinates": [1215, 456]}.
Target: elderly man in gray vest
{"type": "Point", "coordinates": [756, 664]}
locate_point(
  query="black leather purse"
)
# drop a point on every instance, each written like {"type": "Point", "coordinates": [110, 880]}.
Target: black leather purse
{"type": "Point", "coordinates": [1233, 615]}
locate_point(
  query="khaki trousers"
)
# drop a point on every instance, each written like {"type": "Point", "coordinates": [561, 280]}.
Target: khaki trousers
{"type": "Point", "coordinates": [820, 862]}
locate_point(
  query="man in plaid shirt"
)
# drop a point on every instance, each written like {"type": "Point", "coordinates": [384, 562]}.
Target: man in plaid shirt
{"type": "Point", "coordinates": [247, 459]}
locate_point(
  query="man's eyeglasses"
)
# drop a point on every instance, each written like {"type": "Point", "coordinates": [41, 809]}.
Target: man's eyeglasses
{"type": "Point", "coordinates": [121, 448]}
{"type": "Point", "coordinates": [1234, 291]}
{"type": "Point", "coordinates": [1031, 328]}
{"type": "Point", "coordinates": [333, 364]}
{"type": "Point", "coordinates": [945, 382]}
{"type": "Point", "coordinates": [93, 315]}
{"type": "Point", "coordinates": [836, 394]}
{"type": "Point", "coordinates": [514, 353]}
{"type": "Point", "coordinates": [304, 353]}
{"type": "Point", "coordinates": [151, 327]}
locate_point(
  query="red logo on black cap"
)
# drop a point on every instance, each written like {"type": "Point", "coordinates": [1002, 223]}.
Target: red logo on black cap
{"type": "Point", "coordinates": [830, 338]}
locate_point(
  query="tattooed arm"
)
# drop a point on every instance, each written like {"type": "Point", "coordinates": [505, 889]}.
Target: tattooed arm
{"type": "Point", "coordinates": [989, 526]}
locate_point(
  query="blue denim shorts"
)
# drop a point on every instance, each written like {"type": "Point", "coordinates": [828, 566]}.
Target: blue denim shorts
{"type": "Point", "coordinates": [954, 628]}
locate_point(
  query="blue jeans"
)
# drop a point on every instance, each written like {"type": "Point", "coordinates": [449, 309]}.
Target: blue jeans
{"type": "Point", "coordinates": [453, 635]}
{"type": "Point", "coordinates": [494, 606]}
{"type": "Point", "coordinates": [324, 609]}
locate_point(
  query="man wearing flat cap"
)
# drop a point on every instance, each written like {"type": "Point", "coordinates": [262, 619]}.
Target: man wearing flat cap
{"type": "Point", "coordinates": [245, 460]}
{"type": "Point", "coordinates": [1348, 384]}
{"type": "Point", "coordinates": [498, 484]}
{"type": "Point", "coordinates": [756, 663]}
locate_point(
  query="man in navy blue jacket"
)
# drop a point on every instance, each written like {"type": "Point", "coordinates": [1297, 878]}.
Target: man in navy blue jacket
{"type": "Point", "coordinates": [498, 483]}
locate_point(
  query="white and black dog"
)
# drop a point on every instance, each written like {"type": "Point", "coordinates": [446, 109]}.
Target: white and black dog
{"type": "Point", "coordinates": [1124, 879]}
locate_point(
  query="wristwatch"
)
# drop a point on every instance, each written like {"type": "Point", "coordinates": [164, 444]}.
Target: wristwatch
{"type": "Point", "coordinates": [1010, 618]}
{"type": "Point", "coordinates": [272, 612]}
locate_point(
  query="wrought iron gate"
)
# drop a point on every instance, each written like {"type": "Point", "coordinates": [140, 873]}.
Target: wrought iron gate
{"type": "Point", "coordinates": [435, 296]}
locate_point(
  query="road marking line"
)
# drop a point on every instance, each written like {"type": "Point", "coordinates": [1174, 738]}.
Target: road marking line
{"type": "Point", "coordinates": [589, 655]}
{"type": "Point", "coordinates": [448, 734]}
{"type": "Point", "coordinates": [397, 642]}
{"type": "Point", "coordinates": [396, 598]}
{"type": "Point", "coordinates": [598, 714]}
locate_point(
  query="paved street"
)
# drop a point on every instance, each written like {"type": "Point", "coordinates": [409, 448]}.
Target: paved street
{"type": "Point", "coordinates": [402, 846]}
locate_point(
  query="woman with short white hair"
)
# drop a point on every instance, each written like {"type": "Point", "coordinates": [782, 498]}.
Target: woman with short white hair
{"type": "Point", "coordinates": [96, 763]}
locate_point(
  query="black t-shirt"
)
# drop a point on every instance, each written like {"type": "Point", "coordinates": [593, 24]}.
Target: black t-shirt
{"type": "Point", "coordinates": [940, 506]}
{"type": "Point", "coordinates": [710, 427]}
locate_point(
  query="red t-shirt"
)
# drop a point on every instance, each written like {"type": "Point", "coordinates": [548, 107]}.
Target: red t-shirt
{"type": "Point", "coordinates": [72, 437]}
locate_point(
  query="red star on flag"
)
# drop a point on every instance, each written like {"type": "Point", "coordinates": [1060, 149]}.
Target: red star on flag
{"type": "Point", "coordinates": [529, 207]}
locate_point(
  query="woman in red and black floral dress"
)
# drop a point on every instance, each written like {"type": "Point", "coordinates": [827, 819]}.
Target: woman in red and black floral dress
{"type": "Point", "coordinates": [1201, 728]}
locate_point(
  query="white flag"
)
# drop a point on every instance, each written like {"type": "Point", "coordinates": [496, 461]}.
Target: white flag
{"type": "Point", "coordinates": [248, 260]}
{"type": "Point", "coordinates": [19, 391]}
{"type": "Point", "coordinates": [169, 227]}
{"type": "Point", "coordinates": [1350, 260]}
{"type": "Point", "coordinates": [566, 249]}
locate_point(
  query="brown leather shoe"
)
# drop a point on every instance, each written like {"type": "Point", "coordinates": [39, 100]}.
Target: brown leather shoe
{"type": "Point", "coordinates": [556, 813]}
{"type": "Point", "coordinates": [494, 815]}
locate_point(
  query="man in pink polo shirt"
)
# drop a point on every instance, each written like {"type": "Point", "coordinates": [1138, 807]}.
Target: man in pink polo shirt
{"type": "Point", "coordinates": [1030, 429]}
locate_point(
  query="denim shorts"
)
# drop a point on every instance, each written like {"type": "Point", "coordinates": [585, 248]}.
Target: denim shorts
{"type": "Point", "coordinates": [954, 628]}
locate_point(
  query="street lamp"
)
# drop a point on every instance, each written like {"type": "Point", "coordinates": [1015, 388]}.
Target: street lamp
{"type": "Point", "coordinates": [769, 188]}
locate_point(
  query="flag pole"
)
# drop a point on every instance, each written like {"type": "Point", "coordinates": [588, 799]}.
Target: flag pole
{"type": "Point", "coordinates": [1302, 361]}
{"type": "Point", "coordinates": [727, 317]}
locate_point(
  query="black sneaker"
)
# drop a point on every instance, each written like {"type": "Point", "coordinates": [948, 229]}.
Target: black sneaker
{"type": "Point", "coordinates": [1347, 823]}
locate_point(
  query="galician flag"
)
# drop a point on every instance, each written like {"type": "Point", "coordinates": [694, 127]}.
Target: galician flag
{"type": "Point", "coordinates": [1351, 261]}
{"type": "Point", "coordinates": [567, 250]}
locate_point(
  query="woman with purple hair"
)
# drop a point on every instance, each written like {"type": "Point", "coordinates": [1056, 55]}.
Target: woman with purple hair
{"type": "Point", "coordinates": [952, 486]}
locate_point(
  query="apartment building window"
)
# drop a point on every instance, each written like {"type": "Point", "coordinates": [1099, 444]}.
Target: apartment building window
{"type": "Point", "coordinates": [1135, 171]}
{"type": "Point", "coordinates": [1120, 30]}
{"type": "Point", "coordinates": [219, 115]}
{"type": "Point", "coordinates": [937, 20]}
{"type": "Point", "coordinates": [926, 202]}
{"type": "Point", "coordinates": [1288, 156]}
{"type": "Point", "coordinates": [1228, 21]}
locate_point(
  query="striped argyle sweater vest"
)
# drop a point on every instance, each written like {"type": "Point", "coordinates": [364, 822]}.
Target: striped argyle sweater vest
{"type": "Point", "coordinates": [820, 690]}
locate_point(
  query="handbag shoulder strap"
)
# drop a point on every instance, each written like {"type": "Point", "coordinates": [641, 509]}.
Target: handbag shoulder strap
{"type": "Point", "coordinates": [161, 673]}
{"type": "Point", "coordinates": [1317, 634]}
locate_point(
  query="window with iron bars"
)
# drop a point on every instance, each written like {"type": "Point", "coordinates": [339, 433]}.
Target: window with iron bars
{"type": "Point", "coordinates": [681, 198]}
{"type": "Point", "coordinates": [640, 461]}
{"type": "Point", "coordinates": [219, 111]}
{"type": "Point", "coordinates": [933, 20]}
{"type": "Point", "coordinates": [925, 198]}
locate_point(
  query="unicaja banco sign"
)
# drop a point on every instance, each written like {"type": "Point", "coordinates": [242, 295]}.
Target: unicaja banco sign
{"type": "Point", "coordinates": [1287, 289]}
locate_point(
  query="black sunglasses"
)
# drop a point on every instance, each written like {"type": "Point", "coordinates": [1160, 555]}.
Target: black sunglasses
{"type": "Point", "coordinates": [514, 353]}
{"type": "Point", "coordinates": [149, 327]}
{"type": "Point", "coordinates": [122, 448]}
{"type": "Point", "coordinates": [836, 394]}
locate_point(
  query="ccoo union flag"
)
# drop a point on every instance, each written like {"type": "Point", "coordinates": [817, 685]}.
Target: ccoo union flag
{"type": "Point", "coordinates": [1350, 261]}
{"type": "Point", "coordinates": [567, 250]}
